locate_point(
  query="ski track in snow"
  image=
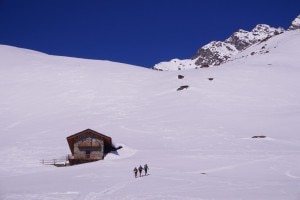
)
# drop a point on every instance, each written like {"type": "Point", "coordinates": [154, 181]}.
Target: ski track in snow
{"type": "Point", "coordinates": [106, 192]}
{"type": "Point", "coordinates": [229, 167]}
{"type": "Point", "coordinates": [289, 174]}
{"type": "Point", "coordinates": [43, 196]}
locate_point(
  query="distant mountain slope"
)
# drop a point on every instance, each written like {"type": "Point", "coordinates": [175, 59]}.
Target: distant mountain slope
{"type": "Point", "coordinates": [218, 52]}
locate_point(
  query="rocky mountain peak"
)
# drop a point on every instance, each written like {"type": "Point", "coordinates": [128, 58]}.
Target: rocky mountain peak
{"type": "Point", "coordinates": [295, 24]}
{"type": "Point", "coordinates": [243, 39]}
{"type": "Point", "coordinates": [218, 52]}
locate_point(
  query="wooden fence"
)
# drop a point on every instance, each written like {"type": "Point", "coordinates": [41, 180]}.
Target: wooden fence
{"type": "Point", "coordinates": [56, 162]}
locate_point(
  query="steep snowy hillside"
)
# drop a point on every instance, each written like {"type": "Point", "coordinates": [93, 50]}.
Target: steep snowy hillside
{"type": "Point", "coordinates": [218, 52]}
{"type": "Point", "coordinates": [197, 141]}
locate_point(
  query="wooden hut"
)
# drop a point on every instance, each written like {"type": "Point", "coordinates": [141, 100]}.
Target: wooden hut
{"type": "Point", "coordinates": [88, 146]}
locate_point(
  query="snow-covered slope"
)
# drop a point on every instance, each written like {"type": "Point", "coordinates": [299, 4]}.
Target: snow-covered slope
{"type": "Point", "coordinates": [176, 64]}
{"type": "Point", "coordinates": [197, 142]}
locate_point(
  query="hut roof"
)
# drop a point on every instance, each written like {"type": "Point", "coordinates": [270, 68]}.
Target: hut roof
{"type": "Point", "coordinates": [107, 140]}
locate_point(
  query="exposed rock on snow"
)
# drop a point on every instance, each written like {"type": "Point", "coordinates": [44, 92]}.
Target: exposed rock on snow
{"type": "Point", "coordinates": [180, 76]}
{"type": "Point", "coordinates": [183, 87]}
{"type": "Point", "coordinates": [259, 136]}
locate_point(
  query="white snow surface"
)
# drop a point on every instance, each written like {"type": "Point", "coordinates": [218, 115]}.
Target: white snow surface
{"type": "Point", "coordinates": [176, 64]}
{"type": "Point", "coordinates": [197, 142]}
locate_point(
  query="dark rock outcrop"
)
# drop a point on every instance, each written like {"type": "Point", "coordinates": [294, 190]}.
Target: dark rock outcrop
{"type": "Point", "coordinates": [259, 136]}
{"type": "Point", "coordinates": [180, 76]}
{"type": "Point", "coordinates": [183, 87]}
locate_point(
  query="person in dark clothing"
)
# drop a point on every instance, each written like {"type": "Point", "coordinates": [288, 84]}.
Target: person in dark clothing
{"type": "Point", "coordinates": [135, 172]}
{"type": "Point", "coordinates": [140, 170]}
{"type": "Point", "coordinates": [146, 169]}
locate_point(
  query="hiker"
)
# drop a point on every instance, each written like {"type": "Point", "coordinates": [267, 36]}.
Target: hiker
{"type": "Point", "coordinates": [135, 172]}
{"type": "Point", "coordinates": [146, 169]}
{"type": "Point", "coordinates": [140, 170]}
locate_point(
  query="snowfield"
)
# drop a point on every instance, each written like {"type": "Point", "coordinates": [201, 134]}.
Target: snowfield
{"type": "Point", "coordinates": [197, 142]}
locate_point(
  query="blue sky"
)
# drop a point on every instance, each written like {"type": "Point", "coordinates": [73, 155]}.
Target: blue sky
{"type": "Point", "coordinates": [139, 32]}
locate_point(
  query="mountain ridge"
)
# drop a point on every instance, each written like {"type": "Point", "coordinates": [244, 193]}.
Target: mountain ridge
{"type": "Point", "coordinates": [218, 52]}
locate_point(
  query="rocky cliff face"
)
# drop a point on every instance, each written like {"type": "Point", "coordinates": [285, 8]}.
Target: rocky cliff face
{"type": "Point", "coordinates": [243, 39]}
{"type": "Point", "coordinates": [214, 53]}
{"type": "Point", "coordinates": [218, 52]}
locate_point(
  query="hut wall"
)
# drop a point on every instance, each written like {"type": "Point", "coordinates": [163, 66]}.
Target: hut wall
{"type": "Point", "coordinates": [88, 148]}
